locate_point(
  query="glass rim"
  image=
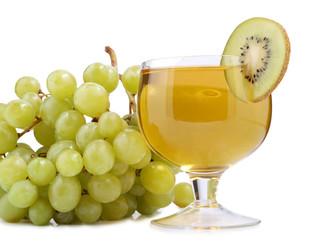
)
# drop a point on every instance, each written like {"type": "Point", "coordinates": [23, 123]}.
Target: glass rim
{"type": "Point", "coordinates": [189, 61]}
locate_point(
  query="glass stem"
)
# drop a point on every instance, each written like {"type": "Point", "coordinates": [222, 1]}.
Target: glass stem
{"type": "Point", "coordinates": [204, 189]}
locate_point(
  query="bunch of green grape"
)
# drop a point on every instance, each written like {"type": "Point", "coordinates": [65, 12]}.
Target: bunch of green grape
{"type": "Point", "coordinates": [93, 165]}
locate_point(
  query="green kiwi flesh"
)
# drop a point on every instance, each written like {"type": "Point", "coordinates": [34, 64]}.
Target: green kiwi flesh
{"type": "Point", "coordinates": [263, 48]}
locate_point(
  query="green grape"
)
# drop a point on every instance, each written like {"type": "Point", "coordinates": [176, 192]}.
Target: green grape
{"type": "Point", "coordinates": [183, 194]}
{"type": "Point", "coordinates": [19, 113]}
{"type": "Point", "coordinates": [25, 85]}
{"type": "Point", "coordinates": [2, 106]}
{"type": "Point", "coordinates": [88, 209]}
{"type": "Point", "coordinates": [91, 99]}
{"type": "Point", "coordinates": [137, 189]}
{"type": "Point", "coordinates": [96, 73]}
{"type": "Point", "coordinates": [4, 187]}
{"type": "Point", "coordinates": [41, 171]}
{"type": "Point", "coordinates": [58, 138]}
{"type": "Point", "coordinates": [174, 168]}
{"type": "Point", "coordinates": [145, 208]}
{"type": "Point", "coordinates": [129, 146]}
{"type": "Point", "coordinates": [119, 168]}
{"type": "Point", "coordinates": [69, 163]}
{"type": "Point", "coordinates": [42, 151]}
{"type": "Point", "coordinates": [51, 109]}
{"type": "Point", "coordinates": [132, 204]}
{"type": "Point", "coordinates": [10, 213]}
{"type": "Point", "coordinates": [98, 157]}
{"type": "Point", "coordinates": [23, 194]}
{"type": "Point", "coordinates": [61, 84]}
{"type": "Point", "coordinates": [113, 79]}
{"type": "Point", "coordinates": [124, 124]}
{"type": "Point", "coordinates": [110, 124]}
{"type": "Point", "coordinates": [131, 119]}
{"type": "Point", "coordinates": [26, 154]}
{"type": "Point", "coordinates": [127, 118]}
{"type": "Point", "coordinates": [127, 180]}
{"type": "Point", "coordinates": [34, 100]}
{"type": "Point", "coordinates": [110, 140]}
{"type": "Point", "coordinates": [68, 124]}
{"type": "Point", "coordinates": [86, 134]}
{"type": "Point", "coordinates": [135, 128]}
{"type": "Point", "coordinates": [84, 177]}
{"type": "Point", "coordinates": [44, 134]}
{"type": "Point", "coordinates": [130, 79]}
{"type": "Point", "coordinates": [144, 161]}
{"type": "Point", "coordinates": [104, 75]}
{"type": "Point", "coordinates": [64, 217]}
{"type": "Point", "coordinates": [104, 188]}
{"type": "Point", "coordinates": [134, 120]}
{"type": "Point", "coordinates": [58, 147]}
{"type": "Point", "coordinates": [41, 212]}
{"type": "Point", "coordinates": [159, 200]}
{"type": "Point", "coordinates": [43, 192]}
{"type": "Point", "coordinates": [116, 209]}
{"type": "Point", "coordinates": [70, 99]}
{"type": "Point", "coordinates": [2, 192]}
{"type": "Point", "coordinates": [64, 193]}
{"type": "Point", "coordinates": [12, 170]}
{"type": "Point", "coordinates": [8, 137]}
{"type": "Point", "coordinates": [157, 178]}
{"type": "Point", "coordinates": [24, 145]}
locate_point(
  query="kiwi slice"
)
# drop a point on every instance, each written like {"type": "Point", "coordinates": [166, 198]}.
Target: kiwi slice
{"type": "Point", "coordinates": [263, 48]}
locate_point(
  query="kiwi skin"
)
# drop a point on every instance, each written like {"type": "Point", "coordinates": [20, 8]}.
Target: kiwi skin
{"type": "Point", "coordinates": [284, 63]}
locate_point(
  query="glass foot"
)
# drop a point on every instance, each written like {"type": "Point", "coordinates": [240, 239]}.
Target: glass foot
{"type": "Point", "coordinates": [213, 217]}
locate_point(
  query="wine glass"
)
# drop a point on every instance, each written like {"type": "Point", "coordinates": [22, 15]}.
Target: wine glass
{"type": "Point", "coordinates": [189, 116]}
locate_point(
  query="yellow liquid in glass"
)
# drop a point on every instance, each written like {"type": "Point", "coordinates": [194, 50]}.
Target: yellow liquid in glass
{"type": "Point", "coordinates": [190, 117]}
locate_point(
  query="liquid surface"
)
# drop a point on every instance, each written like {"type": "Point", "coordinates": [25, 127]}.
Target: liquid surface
{"type": "Point", "coordinates": [189, 116]}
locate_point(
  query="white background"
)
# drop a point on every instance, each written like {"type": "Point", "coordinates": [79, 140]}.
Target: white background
{"type": "Point", "coordinates": [279, 183]}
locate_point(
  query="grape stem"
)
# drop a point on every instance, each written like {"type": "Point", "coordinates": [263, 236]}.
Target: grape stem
{"type": "Point", "coordinates": [28, 129]}
{"type": "Point", "coordinates": [132, 102]}
{"type": "Point", "coordinates": [95, 119]}
{"type": "Point", "coordinates": [138, 172]}
{"type": "Point", "coordinates": [44, 155]}
{"type": "Point", "coordinates": [113, 57]}
{"type": "Point", "coordinates": [114, 63]}
{"type": "Point", "coordinates": [42, 94]}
